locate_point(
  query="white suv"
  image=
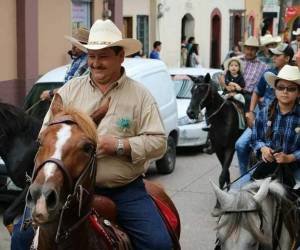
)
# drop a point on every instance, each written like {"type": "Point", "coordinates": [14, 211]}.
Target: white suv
{"type": "Point", "coordinates": [153, 75]}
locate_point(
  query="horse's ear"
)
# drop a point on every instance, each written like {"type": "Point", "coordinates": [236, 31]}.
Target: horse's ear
{"type": "Point", "coordinates": [225, 199]}
{"type": "Point", "coordinates": [98, 114]}
{"type": "Point", "coordinates": [207, 78]}
{"type": "Point", "coordinates": [57, 104]}
{"type": "Point", "coordinates": [263, 190]}
{"type": "Point", "coordinates": [193, 78]}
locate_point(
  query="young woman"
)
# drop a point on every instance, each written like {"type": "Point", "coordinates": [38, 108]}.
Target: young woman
{"type": "Point", "coordinates": [276, 132]}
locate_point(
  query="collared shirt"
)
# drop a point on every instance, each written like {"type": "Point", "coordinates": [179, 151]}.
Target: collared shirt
{"type": "Point", "coordinates": [132, 114]}
{"type": "Point", "coordinates": [263, 89]}
{"type": "Point", "coordinates": [253, 70]}
{"type": "Point", "coordinates": [78, 67]}
{"type": "Point", "coordinates": [154, 55]}
{"type": "Point", "coordinates": [286, 131]}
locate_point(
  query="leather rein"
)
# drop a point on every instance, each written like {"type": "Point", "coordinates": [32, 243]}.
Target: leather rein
{"type": "Point", "coordinates": [76, 191]}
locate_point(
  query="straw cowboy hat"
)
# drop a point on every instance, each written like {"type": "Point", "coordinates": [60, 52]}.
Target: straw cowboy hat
{"type": "Point", "coordinates": [296, 32]}
{"type": "Point", "coordinates": [283, 49]}
{"type": "Point", "coordinates": [251, 42]}
{"type": "Point", "coordinates": [229, 60]}
{"type": "Point", "coordinates": [105, 34]}
{"type": "Point", "coordinates": [289, 73]}
{"type": "Point", "coordinates": [268, 39]}
{"type": "Point", "coordinates": [81, 36]}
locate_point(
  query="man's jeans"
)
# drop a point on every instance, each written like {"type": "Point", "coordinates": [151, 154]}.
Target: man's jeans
{"type": "Point", "coordinates": [21, 240]}
{"type": "Point", "coordinates": [138, 215]}
{"type": "Point", "coordinates": [243, 150]}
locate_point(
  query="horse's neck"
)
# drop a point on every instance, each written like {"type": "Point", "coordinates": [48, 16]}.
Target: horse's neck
{"type": "Point", "coordinates": [213, 102]}
{"type": "Point", "coordinates": [78, 239]}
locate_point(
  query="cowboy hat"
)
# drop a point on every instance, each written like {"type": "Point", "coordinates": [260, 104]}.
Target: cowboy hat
{"type": "Point", "coordinates": [289, 73]}
{"type": "Point", "coordinates": [80, 35]}
{"type": "Point", "coordinates": [296, 32]}
{"type": "Point", "coordinates": [105, 34]}
{"type": "Point", "coordinates": [251, 42]}
{"type": "Point", "coordinates": [283, 49]}
{"type": "Point", "coordinates": [229, 60]}
{"type": "Point", "coordinates": [268, 39]}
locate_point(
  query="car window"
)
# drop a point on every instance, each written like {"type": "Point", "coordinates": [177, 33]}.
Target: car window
{"type": "Point", "coordinates": [183, 88]}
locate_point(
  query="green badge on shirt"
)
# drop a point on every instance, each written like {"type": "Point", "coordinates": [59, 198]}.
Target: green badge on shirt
{"type": "Point", "coordinates": [124, 124]}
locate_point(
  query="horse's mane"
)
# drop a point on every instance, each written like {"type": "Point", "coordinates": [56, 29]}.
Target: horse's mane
{"type": "Point", "coordinates": [244, 201]}
{"type": "Point", "coordinates": [84, 122]}
{"type": "Point", "coordinates": [14, 119]}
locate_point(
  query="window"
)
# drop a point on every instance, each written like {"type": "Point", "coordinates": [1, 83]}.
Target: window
{"type": "Point", "coordinates": [81, 13]}
{"type": "Point", "coordinates": [142, 32]}
{"type": "Point", "coordinates": [127, 26]}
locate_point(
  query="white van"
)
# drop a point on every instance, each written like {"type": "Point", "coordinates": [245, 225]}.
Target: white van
{"type": "Point", "coordinates": [154, 76]}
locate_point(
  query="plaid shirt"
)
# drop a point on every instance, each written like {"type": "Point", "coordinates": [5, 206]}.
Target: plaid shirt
{"type": "Point", "coordinates": [253, 70]}
{"type": "Point", "coordinates": [78, 67]}
{"type": "Point", "coordinates": [286, 131]}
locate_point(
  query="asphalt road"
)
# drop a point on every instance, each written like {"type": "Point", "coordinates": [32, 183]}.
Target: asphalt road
{"type": "Point", "coordinates": [191, 192]}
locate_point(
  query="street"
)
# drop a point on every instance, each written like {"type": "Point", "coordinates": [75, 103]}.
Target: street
{"type": "Point", "coordinates": [192, 194]}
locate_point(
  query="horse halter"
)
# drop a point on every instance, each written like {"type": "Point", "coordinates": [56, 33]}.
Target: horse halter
{"type": "Point", "coordinates": [89, 171]}
{"type": "Point", "coordinates": [236, 211]}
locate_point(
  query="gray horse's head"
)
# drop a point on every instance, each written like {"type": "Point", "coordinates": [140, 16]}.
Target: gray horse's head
{"type": "Point", "coordinates": [243, 219]}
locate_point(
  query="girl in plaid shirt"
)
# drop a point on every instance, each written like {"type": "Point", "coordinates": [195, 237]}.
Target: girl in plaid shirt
{"type": "Point", "coordinates": [276, 132]}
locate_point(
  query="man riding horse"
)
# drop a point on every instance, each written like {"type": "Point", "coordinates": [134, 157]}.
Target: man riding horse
{"type": "Point", "coordinates": [129, 136]}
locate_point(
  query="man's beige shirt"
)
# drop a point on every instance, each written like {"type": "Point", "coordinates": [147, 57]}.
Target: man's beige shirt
{"type": "Point", "coordinates": [132, 114]}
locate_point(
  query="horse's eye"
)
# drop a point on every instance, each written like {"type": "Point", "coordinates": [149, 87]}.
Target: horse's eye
{"type": "Point", "coordinates": [88, 148]}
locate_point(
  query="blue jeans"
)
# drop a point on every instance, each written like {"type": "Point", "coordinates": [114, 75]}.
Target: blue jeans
{"type": "Point", "coordinates": [243, 150]}
{"type": "Point", "coordinates": [21, 240]}
{"type": "Point", "coordinates": [138, 215]}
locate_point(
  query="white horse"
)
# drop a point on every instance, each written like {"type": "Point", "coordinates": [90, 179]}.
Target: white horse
{"type": "Point", "coordinates": [259, 216]}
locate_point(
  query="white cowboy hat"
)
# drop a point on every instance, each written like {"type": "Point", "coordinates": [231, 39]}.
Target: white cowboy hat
{"type": "Point", "coordinates": [251, 42]}
{"type": "Point", "coordinates": [105, 34]}
{"type": "Point", "coordinates": [80, 35]}
{"type": "Point", "coordinates": [229, 60]}
{"type": "Point", "coordinates": [296, 32]}
{"type": "Point", "coordinates": [289, 73]}
{"type": "Point", "coordinates": [268, 39]}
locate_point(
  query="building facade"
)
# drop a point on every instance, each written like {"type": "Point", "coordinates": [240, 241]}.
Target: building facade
{"type": "Point", "coordinates": [253, 18]}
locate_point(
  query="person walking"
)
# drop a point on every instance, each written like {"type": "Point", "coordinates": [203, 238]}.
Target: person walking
{"type": "Point", "coordinates": [193, 57]}
{"type": "Point", "coordinates": [155, 53]}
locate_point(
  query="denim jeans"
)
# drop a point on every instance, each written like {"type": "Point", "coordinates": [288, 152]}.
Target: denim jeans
{"type": "Point", "coordinates": [243, 150]}
{"type": "Point", "coordinates": [138, 215]}
{"type": "Point", "coordinates": [21, 240]}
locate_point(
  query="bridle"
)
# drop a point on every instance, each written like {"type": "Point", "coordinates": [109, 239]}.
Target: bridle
{"type": "Point", "coordinates": [218, 243]}
{"type": "Point", "coordinates": [76, 191]}
{"type": "Point", "coordinates": [204, 99]}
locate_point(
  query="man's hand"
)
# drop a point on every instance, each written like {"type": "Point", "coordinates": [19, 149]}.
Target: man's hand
{"type": "Point", "coordinates": [267, 154]}
{"type": "Point", "coordinates": [107, 145]}
{"type": "Point", "coordinates": [284, 158]}
{"type": "Point", "coordinates": [250, 117]}
{"type": "Point", "coordinates": [45, 95]}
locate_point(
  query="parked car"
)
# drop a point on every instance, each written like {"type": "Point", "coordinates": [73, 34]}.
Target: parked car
{"type": "Point", "coordinates": [152, 74]}
{"type": "Point", "coordinates": [190, 131]}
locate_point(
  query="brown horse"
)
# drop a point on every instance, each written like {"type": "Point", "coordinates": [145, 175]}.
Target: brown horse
{"type": "Point", "coordinates": [61, 193]}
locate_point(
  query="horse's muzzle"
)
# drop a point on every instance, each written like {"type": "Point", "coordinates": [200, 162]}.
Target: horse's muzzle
{"type": "Point", "coordinates": [191, 114]}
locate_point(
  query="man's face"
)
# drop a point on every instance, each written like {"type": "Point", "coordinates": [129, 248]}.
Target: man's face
{"type": "Point", "coordinates": [76, 52]}
{"type": "Point", "coordinates": [250, 52]}
{"type": "Point", "coordinates": [105, 65]}
{"type": "Point", "coordinates": [280, 60]}
{"type": "Point", "coordinates": [158, 48]}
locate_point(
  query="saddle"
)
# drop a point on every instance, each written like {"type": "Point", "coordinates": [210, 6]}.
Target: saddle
{"type": "Point", "coordinates": [106, 224]}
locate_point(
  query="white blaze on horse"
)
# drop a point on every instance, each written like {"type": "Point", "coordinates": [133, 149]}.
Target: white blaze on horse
{"type": "Point", "coordinates": [259, 216]}
{"type": "Point", "coordinates": [61, 193]}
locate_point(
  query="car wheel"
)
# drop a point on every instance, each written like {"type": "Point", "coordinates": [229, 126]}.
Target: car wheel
{"type": "Point", "coordinates": [166, 164]}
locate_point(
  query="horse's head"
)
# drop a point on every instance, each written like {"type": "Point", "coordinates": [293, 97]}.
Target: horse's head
{"type": "Point", "coordinates": [241, 218]}
{"type": "Point", "coordinates": [200, 92]}
{"type": "Point", "coordinates": [64, 164]}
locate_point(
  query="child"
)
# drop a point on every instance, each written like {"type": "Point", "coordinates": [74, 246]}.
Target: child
{"type": "Point", "coordinates": [233, 81]}
{"type": "Point", "coordinates": [276, 132]}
